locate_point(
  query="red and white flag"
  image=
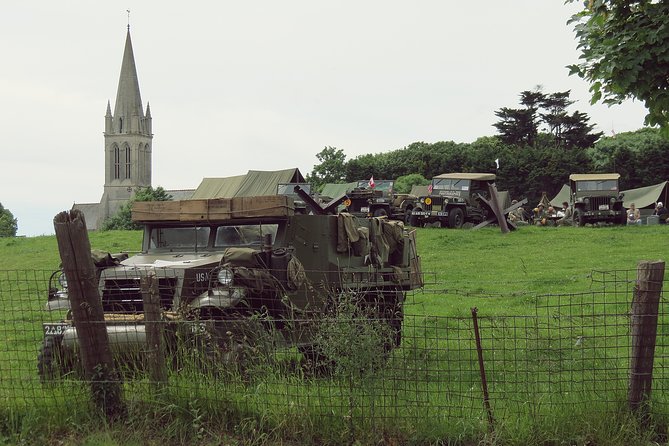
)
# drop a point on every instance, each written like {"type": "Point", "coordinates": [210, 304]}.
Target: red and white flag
{"type": "Point", "coordinates": [429, 189]}
{"type": "Point", "coordinates": [371, 182]}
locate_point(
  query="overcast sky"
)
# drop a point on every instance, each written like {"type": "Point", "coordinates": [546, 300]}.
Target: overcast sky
{"type": "Point", "coordinates": [265, 85]}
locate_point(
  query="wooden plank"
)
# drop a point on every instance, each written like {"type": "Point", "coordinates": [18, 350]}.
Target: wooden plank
{"type": "Point", "coordinates": [213, 209]}
{"type": "Point", "coordinates": [155, 210]}
{"type": "Point", "coordinates": [220, 209]}
{"type": "Point", "coordinates": [194, 210]}
{"type": "Point", "coordinates": [263, 206]}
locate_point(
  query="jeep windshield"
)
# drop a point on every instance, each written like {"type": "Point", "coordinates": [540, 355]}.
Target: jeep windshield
{"type": "Point", "coordinates": [450, 184]}
{"type": "Point", "coordinates": [597, 185]}
{"type": "Point", "coordinates": [382, 185]}
{"type": "Point", "coordinates": [204, 237]}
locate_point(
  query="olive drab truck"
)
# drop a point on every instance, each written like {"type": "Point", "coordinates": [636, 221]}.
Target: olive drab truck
{"type": "Point", "coordinates": [596, 197]}
{"type": "Point", "coordinates": [379, 200]}
{"type": "Point", "coordinates": [239, 270]}
{"type": "Point", "coordinates": [454, 199]}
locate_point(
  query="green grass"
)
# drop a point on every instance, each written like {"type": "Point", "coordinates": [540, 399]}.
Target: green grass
{"type": "Point", "coordinates": [536, 295]}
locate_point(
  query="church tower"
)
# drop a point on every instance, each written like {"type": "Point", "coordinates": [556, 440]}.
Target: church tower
{"type": "Point", "coordinates": [128, 138]}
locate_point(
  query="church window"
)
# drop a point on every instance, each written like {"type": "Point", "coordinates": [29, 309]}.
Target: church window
{"type": "Point", "coordinates": [120, 125]}
{"type": "Point", "coordinates": [127, 162]}
{"type": "Point", "coordinates": [117, 163]}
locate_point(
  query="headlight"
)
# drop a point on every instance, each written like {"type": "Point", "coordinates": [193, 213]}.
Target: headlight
{"type": "Point", "coordinates": [586, 200]}
{"type": "Point", "coordinates": [62, 280]}
{"type": "Point", "coordinates": [225, 276]}
{"type": "Point", "coordinates": [613, 201]}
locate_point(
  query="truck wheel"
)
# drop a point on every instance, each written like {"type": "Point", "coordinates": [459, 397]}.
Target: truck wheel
{"type": "Point", "coordinates": [579, 219]}
{"type": "Point", "coordinates": [380, 213]}
{"type": "Point", "coordinates": [407, 216]}
{"type": "Point", "coordinates": [456, 218]}
{"type": "Point", "coordinates": [413, 220]}
{"type": "Point", "coordinates": [50, 364]}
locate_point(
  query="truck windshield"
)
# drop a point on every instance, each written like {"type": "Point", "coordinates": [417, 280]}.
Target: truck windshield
{"type": "Point", "coordinates": [608, 185]}
{"type": "Point", "coordinates": [179, 238]}
{"type": "Point", "coordinates": [243, 235]}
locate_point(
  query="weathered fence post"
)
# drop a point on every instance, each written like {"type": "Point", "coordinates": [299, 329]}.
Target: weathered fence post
{"type": "Point", "coordinates": [87, 313]}
{"type": "Point", "coordinates": [643, 328]}
{"type": "Point", "coordinates": [484, 380]}
{"type": "Point", "coordinates": [497, 209]}
{"type": "Point", "coordinates": [155, 350]}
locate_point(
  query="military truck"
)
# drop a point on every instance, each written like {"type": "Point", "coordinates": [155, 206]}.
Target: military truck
{"type": "Point", "coordinates": [454, 199]}
{"type": "Point", "coordinates": [232, 272]}
{"type": "Point", "coordinates": [379, 201]}
{"type": "Point", "coordinates": [596, 197]}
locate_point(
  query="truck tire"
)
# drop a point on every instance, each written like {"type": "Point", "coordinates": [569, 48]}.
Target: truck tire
{"type": "Point", "coordinates": [380, 212]}
{"type": "Point", "coordinates": [579, 219]}
{"type": "Point", "coordinates": [413, 220]}
{"type": "Point", "coordinates": [51, 363]}
{"type": "Point", "coordinates": [456, 218]}
{"type": "Point", "coordinates": [407, 216]}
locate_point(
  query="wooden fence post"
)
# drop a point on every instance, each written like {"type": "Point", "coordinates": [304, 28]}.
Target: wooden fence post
{"type": "Point", "coordinates": [643, 321]}
{"type": "Point", "coordinates": [155, 350]}
{"type": "Point", "coordinates": [87, 313]}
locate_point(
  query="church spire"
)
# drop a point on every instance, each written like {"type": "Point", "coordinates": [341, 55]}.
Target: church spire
{"type": "Point", "coordinates": [128, 111]}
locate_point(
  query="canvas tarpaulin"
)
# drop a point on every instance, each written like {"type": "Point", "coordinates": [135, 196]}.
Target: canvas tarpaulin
{"type": "Point", "coordinates": [644, 197]}
{"type": "Point", "coordinates": [254, 183]}
{"type": "Point", "coordinates": [333, 190]}
{"type": "Point", "coordinates": [561, 197]}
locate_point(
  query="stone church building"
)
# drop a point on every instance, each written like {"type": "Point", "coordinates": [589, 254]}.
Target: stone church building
{"type": "Point", "coordinates": [128, 141]}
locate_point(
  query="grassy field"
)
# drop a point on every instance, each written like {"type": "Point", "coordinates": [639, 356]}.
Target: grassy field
{"type": "Point", "coordinates": [511, 280]}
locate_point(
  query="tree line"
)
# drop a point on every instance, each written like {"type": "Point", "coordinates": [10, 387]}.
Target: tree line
{"type": "Point", "coordinates": [538, 146]}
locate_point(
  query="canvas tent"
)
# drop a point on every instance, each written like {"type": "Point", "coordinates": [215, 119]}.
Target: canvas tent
{"type": "Point", "coordinates": [646, 197]}
{"type": "Point", "coordinates": [333, 190]}
{"type": "Point", "coordinates": [561, 197]}
{"type": "Point", "coordinates": [642, 197]}
{"type": "Point", "coordinates": [254, 183]}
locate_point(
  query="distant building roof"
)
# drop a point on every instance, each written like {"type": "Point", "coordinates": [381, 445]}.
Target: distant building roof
{"type": "Point", "coordinates": [91, 213]}
{"type": "Point", "coordinates": [180, 194]}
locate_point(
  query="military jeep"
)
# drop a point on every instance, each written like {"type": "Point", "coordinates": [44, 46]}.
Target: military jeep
{"type": "Point", "coordinates": [453, 199]}
{"type": "Point", "coordinates": [596, 198]}
{"type": "Point", "coordinates": [379, 201]}
{"type": "Point", "coordinates": [235, 271]}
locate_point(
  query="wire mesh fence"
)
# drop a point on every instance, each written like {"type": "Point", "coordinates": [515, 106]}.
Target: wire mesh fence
{"type": "Point", "coordinates": [540, 354]}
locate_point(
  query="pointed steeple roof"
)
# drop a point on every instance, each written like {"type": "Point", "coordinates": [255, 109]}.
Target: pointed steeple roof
{"type": "Point", "coordinates": [128, 100]}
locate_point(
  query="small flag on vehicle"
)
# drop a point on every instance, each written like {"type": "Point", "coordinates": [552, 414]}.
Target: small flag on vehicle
{"type": "Point", "coordinates": [429, 189]}
{"type": "Point", "coordinates": [371, 182]}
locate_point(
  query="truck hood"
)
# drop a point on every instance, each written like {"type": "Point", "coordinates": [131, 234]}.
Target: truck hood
{"type": "Point", "coordinates": [183, 261]}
